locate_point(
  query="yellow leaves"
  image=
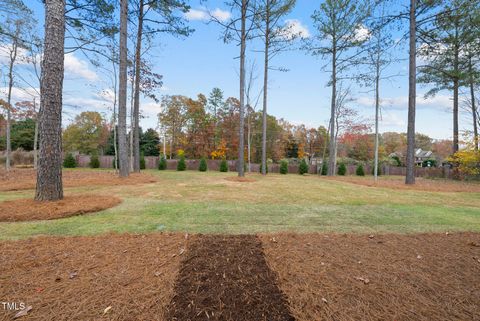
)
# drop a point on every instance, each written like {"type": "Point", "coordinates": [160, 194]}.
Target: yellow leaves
{"type": "Point", "coordinates": [221, 151]}
{"type": "Point", "coordinates": [468, 161]}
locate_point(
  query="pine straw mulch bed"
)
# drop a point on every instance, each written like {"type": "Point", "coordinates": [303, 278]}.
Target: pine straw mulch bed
{"type": "Point", "coordinates": [421, 184]}
{"type": "Point", "coordinates": [22, 179]}
{"type": "Point", "coordinates": [227, 278]}
{"type": "Point", "coordinates": [30, 210]}
{"type": "Point", "coordinates": [112, 277]}
{"type": "Point", "coordinates": [384, 277]}
{"type": "Point", "coordinates": [282, 277]}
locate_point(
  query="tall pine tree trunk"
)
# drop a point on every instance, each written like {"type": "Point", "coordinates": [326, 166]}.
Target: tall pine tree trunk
{"type": "Point", "coordinates": [49, 173]}
{"type": "Point", "coordinates": [265, 92]}
{"type": "Point", "coordinates": [455, 115]}
{"type": "Point", "coordinates": [13, 58]}
{"type": "Point", "coordinates": [243, 45]}
{"type": "Point", "coordinates": [455, 96]}
{"type": "Point", "coordinates": [412, 95]}
{"type": "Point", "coordinates": [473, 104]}
{"type": "Point", "coordinates": [377, 111]}
{"type": "Point", "coordinates": [136, 104]}
{"type": "Point", "coordinates": [332, 154]}
{"type": "Point", "coordinates": [35, 136]}
{"type": "Point", "coordinates": [122, 92]}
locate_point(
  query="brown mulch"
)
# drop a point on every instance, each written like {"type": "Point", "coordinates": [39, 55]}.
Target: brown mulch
{"type": "Point", "coordinates": [79, 278]}
{"type": "Point", "coordinates": [30, 210]}
{"type": "Point", "coordinates": [421, 184]}
{"type": "Point", "coordinates": [226, 278]}
{"type": "Point", "coordinates": [22, 179]}
{"type": "Point", "coordinates": [381, 277]}
{"type": "Point", "coordinates": [240, 179]}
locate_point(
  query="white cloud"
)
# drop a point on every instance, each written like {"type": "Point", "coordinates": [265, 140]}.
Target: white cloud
{"type": "Point", "coordinates": [221, 15]}
{"type": "Point", "coordinates": [20, 94]}
{"type": "Point", "coordinates": [294, 28]}
{"type": "Point", "coordinates": [439, 101]}
{"type": "Point", "coordinates": [362, 33]}
{"type": "Point", "coordinates": [393, 120]}
{"type": "Point", "coordinates": [78, 68]}
{"type": "Point", "coordinates": [195, 14]}
{"type": "Point", "coordinates": [202, 14]}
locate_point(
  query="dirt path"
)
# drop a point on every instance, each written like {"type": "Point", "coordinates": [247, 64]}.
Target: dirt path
{"type": "Point", "coordinates": [227, 278]}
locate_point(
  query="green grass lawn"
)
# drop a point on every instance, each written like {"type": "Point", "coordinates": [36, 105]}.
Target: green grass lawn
{"type": "Point", "coordinates": [198, 202]}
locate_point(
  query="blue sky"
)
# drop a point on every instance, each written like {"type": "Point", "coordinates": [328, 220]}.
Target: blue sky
{"type": "Point", "coordinates": [202, 61]}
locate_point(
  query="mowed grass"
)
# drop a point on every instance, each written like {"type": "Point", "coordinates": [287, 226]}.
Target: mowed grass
{"type": "Point", "coordinates": [196, 202]}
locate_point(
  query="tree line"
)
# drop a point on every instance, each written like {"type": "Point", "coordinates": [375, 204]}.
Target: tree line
{"type": "Point", "coordinates": [354, 38]}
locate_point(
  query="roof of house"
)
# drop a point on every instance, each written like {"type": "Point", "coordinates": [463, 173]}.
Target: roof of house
{"type": "Point", "coordinates": [423, 153]}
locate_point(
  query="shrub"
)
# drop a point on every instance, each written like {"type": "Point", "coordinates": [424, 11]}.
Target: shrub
{"type": "Point", "coordinates": [202, 167]}
{"type": "Point", "coordinates": [466, 164]}
{"type": "Point", "coordinates": [342, 169]}
{"type": "Point", "coordinates": [181, 165]}
{"type": "Point", "coordinates": [360, 171]}
{"type": "Point", "coordinates": [303, 167]}
{"type": "Point", "coordinates": [162, 163]}
{"type": "Point", "coordinates": [142, 161]}
{"type": "Point", "coordinates": [69, 161]}
{"type": "Point", "coordinates": [94, 161]}
{"type": "Point", "coordinates": [396, 160]}
{"type": "Point", "coordinates": [223, 165]}
{"type": "Point", "coordinates": [283, 167]}
{"type": "Point", "coordinates": [429, 163]}
{"type": "Point", "coordinates": [324, 170]}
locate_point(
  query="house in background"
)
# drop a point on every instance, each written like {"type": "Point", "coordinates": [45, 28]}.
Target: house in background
{"type": "Point", "coordinates": [424, 155]}
{"type": "Point", "coordinates": [421, 158]}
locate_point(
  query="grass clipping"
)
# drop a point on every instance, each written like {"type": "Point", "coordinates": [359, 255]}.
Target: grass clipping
{"type": "Point", "coordinates": [30, 210]}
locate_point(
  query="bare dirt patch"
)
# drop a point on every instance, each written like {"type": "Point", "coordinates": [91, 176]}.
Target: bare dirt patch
{"type": "Point", "coordinates": [240, 179]}
{"type": "Point", "coordinates": [111, 277]}
{"type": "Point", "coordinates": [30, 210]}
{"type": "Point", "coordinates": [384, 277]}
{"type": "Point", "coordinates": [421, 184]}
{"type": "Point", "coordinates": [226, 278]}
{"type": "Point", "coordinates": [22, 179]}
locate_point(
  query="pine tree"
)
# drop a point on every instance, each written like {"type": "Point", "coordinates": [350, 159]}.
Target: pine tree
{"type": "Point", "coordinates": [283, 167]}
{"type": "Point", "coordinates": [303, 167]}
{"type": "Point", "coordinates": [203, 165]}
{"type": "Point", "coordinates": [162, 163]}
{"type": "Point", "coordinates": [342, 169]}
{"type": "Point", "coordinates": [69, 161]}
{"type": "Point", "coordinates": [223, 166]}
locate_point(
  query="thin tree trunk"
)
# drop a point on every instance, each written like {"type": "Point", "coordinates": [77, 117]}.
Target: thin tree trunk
{"type": "Point", "coordinates": [49, 174]}
{"type": "Point", "coordinates": [474, 107]}
{"type": "Point", "coordinates": [455, 115]}
{"type": "Point", "coordinates": [114, 118]}
{"type": "Point", "coordinates": [13, 57]}
{"type": "Point", "coordinates": [136, 104]}
{"type": "Point", "coordinates": [412, 79]}
{"type": "Point", "coordinates": [377, 110]}
{"type": "Point", "coordinates": [265, 89]}
{"type": "Point", "coordinates": [332, 155]}
{"type": "Point", "coordinates": [132, 124]}
{"type": "Point", "coordinates": [35, 137]}
{"type": "Point", "coordinates": [243, 44]}
{"type": "Point", "coordinates": [249, 140]}
{"type": "Point", "coordinates": [455, 97]}
{"type": "Point", "coordinates": [122, 92]}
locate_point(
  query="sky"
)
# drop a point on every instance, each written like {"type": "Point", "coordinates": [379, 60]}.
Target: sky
{"type": "Point", "coordinates": [202, 61]}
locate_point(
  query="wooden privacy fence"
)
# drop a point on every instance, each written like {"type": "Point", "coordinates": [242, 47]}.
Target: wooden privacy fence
{"type": "Point", "coordinates": [151, 162]}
